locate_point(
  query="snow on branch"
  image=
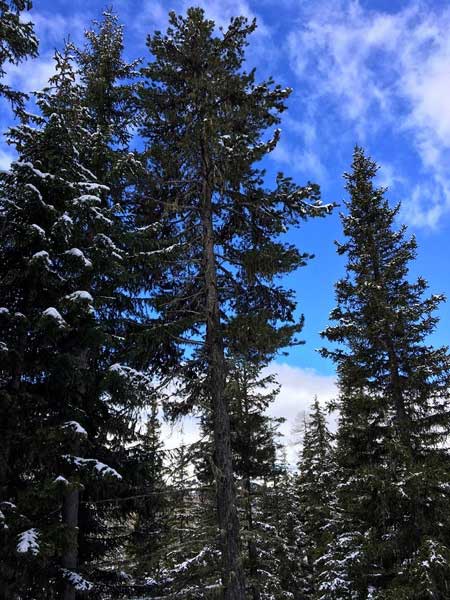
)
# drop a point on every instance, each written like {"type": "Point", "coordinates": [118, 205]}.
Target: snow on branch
{"type": "Point", "coordinates": [77, 581]}
{"type": "Point", "coordinates": [97, 466]}
{"type": "Point", "coordinates": [76, 427]}
{"type": "Point", "coordinates": [52, 313]}
{"type": "Point", "coordinates": [28, 542]}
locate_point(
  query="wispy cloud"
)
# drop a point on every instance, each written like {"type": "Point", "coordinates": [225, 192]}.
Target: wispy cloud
{"type": "Point", "coordinates": [384, 72]}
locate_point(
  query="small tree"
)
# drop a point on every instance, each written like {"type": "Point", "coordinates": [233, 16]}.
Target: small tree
{"type": "Point", "coordinates": [316, 481]}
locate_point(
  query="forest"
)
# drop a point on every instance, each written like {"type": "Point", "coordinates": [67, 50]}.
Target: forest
{"type": "Point", "coordinates": [142, 264]}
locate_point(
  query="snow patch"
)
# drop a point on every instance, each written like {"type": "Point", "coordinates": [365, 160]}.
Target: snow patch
{"type": "Point", "coordinates": [61, 479]}
{"type": "Point", "coordinates": [76, 427]}
{"type": "Point", "coordinates": [38, 229]}
{"type": "Point", "coordinates": [52, 313]}
{"type": "Point", "coordinates": [80, 296]}
{"type": "Point", "coordinates": [42, 256]}
{"type": "Point", "coordinates": [28, 542]}
{"type": "Point", "coordinates": [77, 581]}
{"type": "Point", "coordinates": [96, 465]}
{"type": "Point", "coordinates": [79, 254]}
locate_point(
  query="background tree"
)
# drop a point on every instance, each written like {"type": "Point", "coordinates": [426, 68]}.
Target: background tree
{"type": "Point", "coordinates": [204, 125]}
{"type": "Point", "coordinates": [394, 416]}
{"type": "Point", "coordinates": [316, 482]}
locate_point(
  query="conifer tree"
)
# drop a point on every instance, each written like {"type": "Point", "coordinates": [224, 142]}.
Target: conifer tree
{"type": "Point", "coordinates": [108, 87]}
{"type": "Point", "coordinates": [204, 125]}
{"type": "Point", "coordinates": [315, 483]}
{"type": "Point", "coordinates": [17, 42]}
{"type": "Point", "coordinates": [254, 447]}
{"type": "Point", "coordinates": [151, 514]}
{"type": "Point", "coordinates": [67, 395]}
{"type": "Point", "coordinates": [281, 537]}
{"type": "Point", "coordinates": [392, 527]}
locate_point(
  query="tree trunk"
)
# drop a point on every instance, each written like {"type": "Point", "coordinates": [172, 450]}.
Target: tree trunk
{"type": "Point", "coordinates": [69, 561]}
{"type": "Point", "coordinates": [232, 572]}
{"type": "Point", "coordinates": [70, 510]}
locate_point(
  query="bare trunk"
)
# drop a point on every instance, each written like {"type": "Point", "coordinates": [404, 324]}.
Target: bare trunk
{"type": "Point", "coordinates": [69, 560]}
{"type": "Point", "coordinates": [232, 572]}
{"type": "Point", "coordinates": [70, 518]}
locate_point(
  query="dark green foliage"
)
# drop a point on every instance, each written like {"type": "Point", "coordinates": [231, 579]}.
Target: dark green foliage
{"type": "Point", "coordinates": [316, 482]}
{"type": "Point", "coordinates": [65, 349]}
{"type": "Point", "coordinates": [17, 42]}
{"type": "Point", "coordinates": [196, 101]}
{"type": "Point", "coordinates": [394, 417]}
{"type": "Point", "coordinates": [108, 87]}
{"type": "Point", "coordinates": [205, 125]}
{"type": "Point", "coordinates": [146, 546]}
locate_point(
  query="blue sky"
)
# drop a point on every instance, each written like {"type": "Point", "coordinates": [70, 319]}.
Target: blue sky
{"type": "Point", "coordinates": [375, 73]}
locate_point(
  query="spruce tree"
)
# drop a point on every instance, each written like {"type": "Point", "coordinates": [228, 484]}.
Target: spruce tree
{"type": "Point", "coordinates": [392, 527]}
{"type": "Point", "coordinates": [151, 513]}
{"type": "Point", "coordinates": [68, 396]}
{"type": "Point", "coordinates": [204, 126]}
{"type": "Point", "coordinates": [254, 447]}
{"type": "Point", "coordinates": [108, 85]}
{"type": "Point", "coordinates": [315, 489]}
{"type": "Point", "coordinates": [17, 42]}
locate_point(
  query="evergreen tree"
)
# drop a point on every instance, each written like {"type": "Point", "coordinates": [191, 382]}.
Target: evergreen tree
{"type": "Point", "coordinates": [392, 527]}
{"type": "Point", "coordinates": [204, 122]}
{"type": "Point", "coordinates": [281, 540]}
{"type": "Point", "coordinates": [67, 395]}
{"type": "Point", "coordinates": [17, 42]}
{"type": "Point", "coordinates": [108, 87]}
{"type": "Point", "coordinates": [315, 491]}
{"type": "Point", "coordinates": [150, 521]}
{"type": "Point", "coordinates": [254, 447]}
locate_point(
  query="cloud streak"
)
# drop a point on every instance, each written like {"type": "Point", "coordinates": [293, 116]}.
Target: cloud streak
{"type": "Point", "coordinates": [384, 72]}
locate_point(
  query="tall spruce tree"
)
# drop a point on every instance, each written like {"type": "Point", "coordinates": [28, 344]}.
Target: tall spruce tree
{"type": "Point", "coordinates": [205, 126]}
{"type": "Point", "coordinates": [315, 481]}
{"type": "Point", "coordinates": [68, 396]}
{"type": "Point", "coordinates": [392, 527]}
{"type": "Point", "coordinates": [17, 42]}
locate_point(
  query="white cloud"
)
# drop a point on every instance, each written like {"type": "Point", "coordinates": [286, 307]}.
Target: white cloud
{"type": "Point", "coordinates": [297, 390]}
{"type": "Point", "coordinates": [31, 75]}
{"type": "Point", "coordinates": [304, 161]}
{"type": "Point", "coordinates": [220, 11]}
{"type": "Point", "coordinates": [383, 71]}
{"type": "Point", "coordinates": [53, 28]}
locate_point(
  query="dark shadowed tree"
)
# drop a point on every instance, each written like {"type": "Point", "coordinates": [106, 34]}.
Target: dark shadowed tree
{"type": "Point", "coordinates": [206, 122]}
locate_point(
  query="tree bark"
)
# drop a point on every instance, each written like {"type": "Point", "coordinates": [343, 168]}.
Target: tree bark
{"type": "Point", "coordinates": [232, 572]}
{"type": "Point", "coordinates": [69, 560]}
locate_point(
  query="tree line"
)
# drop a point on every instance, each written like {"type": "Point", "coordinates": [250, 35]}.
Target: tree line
{"type": "Point", "coordinates": [142, 256]}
